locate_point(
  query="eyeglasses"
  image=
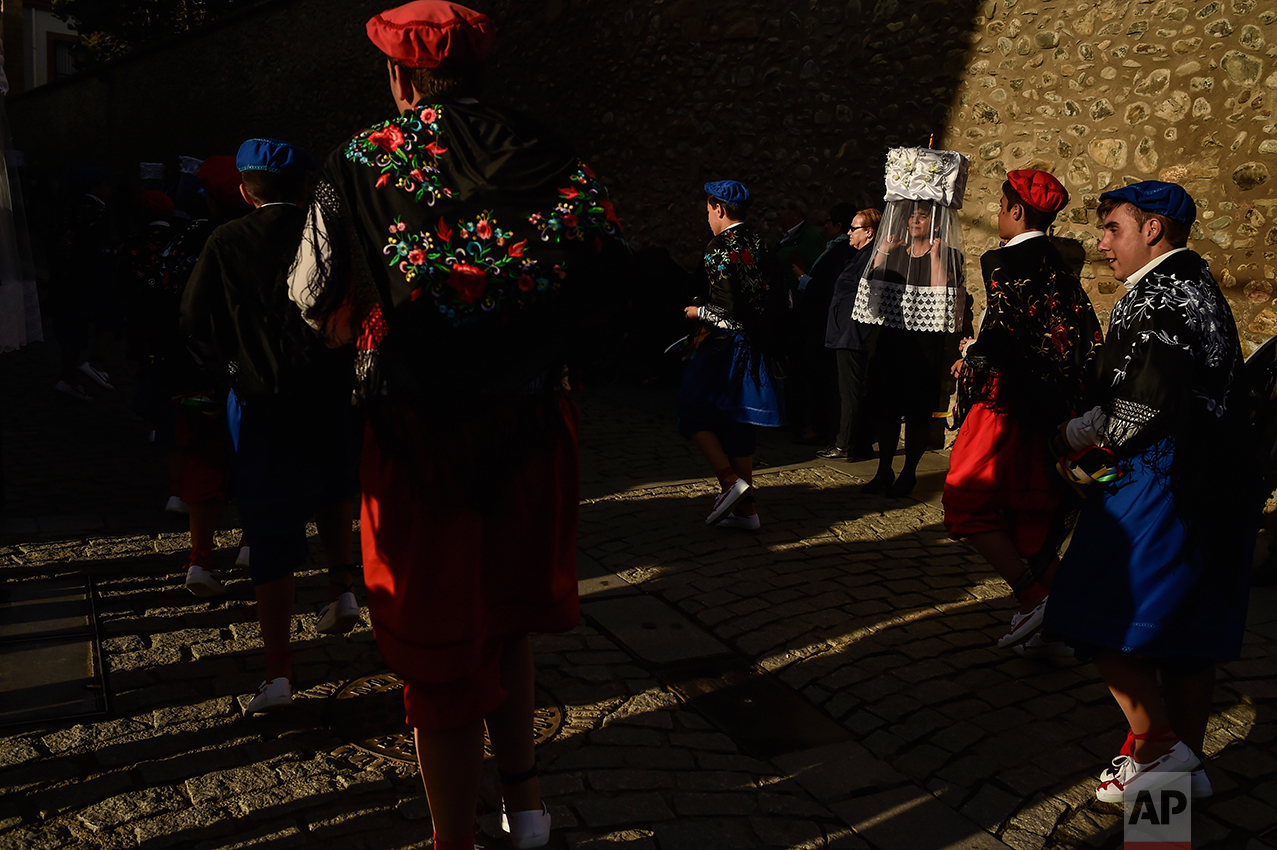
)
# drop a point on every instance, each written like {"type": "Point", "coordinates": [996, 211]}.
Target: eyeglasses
{"type": "Point", "coordinates": [859, 227]}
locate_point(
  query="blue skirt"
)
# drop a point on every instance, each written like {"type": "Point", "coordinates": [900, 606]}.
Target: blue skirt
{"type": "Point", "coordinates": [726, 380]}
{"type": "Point", "coordinates": [1128, 581]}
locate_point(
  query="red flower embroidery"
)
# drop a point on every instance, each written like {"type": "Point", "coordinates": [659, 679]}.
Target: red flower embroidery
{"type": "Point", "coordinates": [569, 193]}
{"type": "Point", "coordinates": [609, 211]}
{"type": "Point", "coordinates": [435, 149]}
{"type": "Point", "coordinates": [1060, 338]}
{"type": "Point", "coordinates": [586, 169]}
{"type": "Point", "coordinates": [417, 256]}
{"type": "Point", "coordinates": [1033, 309]}
{"type": "Point", "coordinates": [389, 139]}
{"type": "Point", "coordinates": [516, 250]}
{"type": "Point", "coordinates": [570, 220]}
{"type": "Point", "coordinates": [445, 232]}
{"type": "Point", "coordinates": [429, 115]}
{"type": "Point", "coordinates": [1051, 302]}
{"type": "Point", "coordinates": [1099, 337]}
{"type": "Point", "coordinates": [417, 175]}
{"type": "Point", "coordinates": [383, 180]}
{"type": "Point", "coordinates": [747, 257]}
{"type": "Point", "coordinates": [415, 294]}
{"type": "Point", "coordinates": [469, 281]}
{"type": "Point", "coordinates": [526, 282]}
{"type": "Point", "coordinates": [484, 229]}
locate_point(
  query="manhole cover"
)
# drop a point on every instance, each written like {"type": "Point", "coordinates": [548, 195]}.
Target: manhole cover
{"type": "Point", "coordinates": [368, 713]}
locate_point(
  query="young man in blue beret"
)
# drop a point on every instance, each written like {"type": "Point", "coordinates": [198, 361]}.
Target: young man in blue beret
{"type": "Point", "coordinates": [289, 406]}
{"type": "Point", "coordinates": [731, 382]}
{"type": "Point", "coordinates": [467, 250]}
{"type": "Point", "coordinates": [1154, 585]}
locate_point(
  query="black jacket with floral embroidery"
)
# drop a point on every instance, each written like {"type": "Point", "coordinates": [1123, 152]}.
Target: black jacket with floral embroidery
{"type": "Point", "coordinates": [1039, 335]}
{"type": "Point", "coordinates": [482, 242]}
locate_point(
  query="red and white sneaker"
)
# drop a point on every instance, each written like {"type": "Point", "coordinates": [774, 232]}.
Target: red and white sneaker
{"type": "Point", "coordinates": [1132, 776]}
{"type": "Point", "coordinates": [1200, 781]}
{"type": "Point", "coordinates": [726, 500]}
{"type": "Point", "coordinates": [1024, 626]}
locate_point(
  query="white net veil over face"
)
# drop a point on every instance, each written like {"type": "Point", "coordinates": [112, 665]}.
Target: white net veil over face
{"type": "Point", "coordinates": [914, 280]}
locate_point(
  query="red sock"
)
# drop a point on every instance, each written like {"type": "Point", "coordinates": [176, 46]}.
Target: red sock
{"type": "Point", "coordinates": [726, 476]}
{"type": "Point", "coordinates": [440, 844]}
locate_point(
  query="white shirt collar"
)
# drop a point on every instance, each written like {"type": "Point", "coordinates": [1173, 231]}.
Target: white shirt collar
{"type": "Point", "coordinates": [1134, 279]}
{"type": "Point", "coordinates": [791, 231]}
{"type": "Point", "coordinates": [1023, 237]}
{"type": "Point", "coordinates": [730, 226]}
{"type": "Point", "coordinates": [158, 224]}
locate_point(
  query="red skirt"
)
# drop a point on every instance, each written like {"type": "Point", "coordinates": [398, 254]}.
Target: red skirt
{"type": "Point", "coordinates": [448, 584]}
{"type": "Point", "coordinates": [1001, 478]}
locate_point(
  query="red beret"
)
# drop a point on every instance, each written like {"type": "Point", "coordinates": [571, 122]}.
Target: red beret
{"type": "Point", "coordinates": [432, 34]}
{"type": "Point", "coordinates": [154, 202]}
{"type": "Point", "coordinates": [221, 181]}
{"type": "Point", "coordinates": [1039, 189]}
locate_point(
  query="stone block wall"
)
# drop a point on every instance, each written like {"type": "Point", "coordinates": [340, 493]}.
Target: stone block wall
{"type": "Point", "coordinates": [1107, 93]}
{"type": "Point", "coordinates": [790, 96]}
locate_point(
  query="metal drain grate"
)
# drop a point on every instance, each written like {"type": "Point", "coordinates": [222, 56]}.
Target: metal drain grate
{"type": "Point", "coordinates": [50, 657]}
{"type": "Point", "coordinates": [368, 713]}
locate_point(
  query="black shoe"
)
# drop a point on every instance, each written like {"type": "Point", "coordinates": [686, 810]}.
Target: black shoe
{"type": "Point", "coordinates": [832, 453]}
{"type": "Point", "coordinates": [904, 485]}
{"type": "Point", "coordinates": [880, 483]}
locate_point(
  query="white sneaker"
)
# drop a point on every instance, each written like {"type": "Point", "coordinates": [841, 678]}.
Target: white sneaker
{"type": "Point", "coordinates": [1024, 626]}
{"type": "Point", "coordinates": [1037, 647]}
{"type": "Point", "coordinates": [527, 829]}
{"type": "Point", "coordinates": [726, 500]}
{"type": "Point", "coordinates": [1131, 775]}
{"type": "Point", "coordinates": [745, 523]}
{"type": "Point", "coordinates": [177, 506]}
{"type": "Point", "coordinates": [338, 616]}
{"type": "Point", "coordinates": [1200, 781]}
{"type": "Point", "coordinates": [102, 379]}
{"type": "Point", "coordinates": [270, 695]}
{"type": "Point", "coordinates": [76, 391]}
{"type": "Point", "coordinates": [204, 582]}
{"type": "Point", "coordinates": [242, 559]}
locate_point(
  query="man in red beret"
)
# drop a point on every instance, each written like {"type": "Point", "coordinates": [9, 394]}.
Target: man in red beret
{"type": "Point", "coordinates": [463, 248]}
{"type": "Point", "coordinates": [1024, 375]}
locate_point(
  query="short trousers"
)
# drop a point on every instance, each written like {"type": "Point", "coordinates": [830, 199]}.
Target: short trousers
{"type": "Point", "coordinates": [281, 485]}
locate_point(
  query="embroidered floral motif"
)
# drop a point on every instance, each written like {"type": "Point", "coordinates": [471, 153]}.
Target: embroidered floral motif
{"type": "Point", "coordinates": [406, 151]}
{"type": "Point", "coordinates": [468, 268]}
{"type": "Point", "coordinates": [583, 209]}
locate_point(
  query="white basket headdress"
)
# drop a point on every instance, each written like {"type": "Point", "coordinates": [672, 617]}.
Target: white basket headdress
{"type": "Point", "coordinates": [914, 279]}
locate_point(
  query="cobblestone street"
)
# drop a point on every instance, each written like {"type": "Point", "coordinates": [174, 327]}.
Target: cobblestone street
{"type": "Point", "coordinates": [830, 680]}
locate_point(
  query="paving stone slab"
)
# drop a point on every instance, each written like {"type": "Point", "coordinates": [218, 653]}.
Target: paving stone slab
{"type": "Point", "coordinates": [653, 630]}
{"type": "Point", "coordinates": [909, 818]}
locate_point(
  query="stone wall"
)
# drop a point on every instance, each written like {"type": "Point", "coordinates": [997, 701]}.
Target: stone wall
{"type": "Point", "coordinates": [1104, 94]}
{"type": "Point", "coordinates": [789, 96]}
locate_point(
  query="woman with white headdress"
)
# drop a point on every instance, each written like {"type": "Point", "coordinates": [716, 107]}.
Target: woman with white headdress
{"type": "Point", "coordinates": [912, 289]}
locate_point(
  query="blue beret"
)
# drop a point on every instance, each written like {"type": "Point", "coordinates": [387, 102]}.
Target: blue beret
{"type": "Point", "coordinates": [728, 191]}
{"type": "Point", "coordinates": [273, 156]}
{"type": "Point", "coordinates": [1168, 199]}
